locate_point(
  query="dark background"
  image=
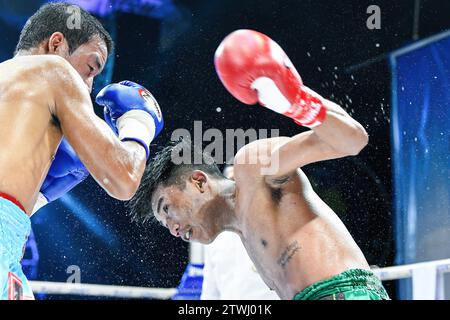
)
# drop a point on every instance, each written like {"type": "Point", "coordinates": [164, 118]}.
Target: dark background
{"type": "Point", "coordinates": [336, 55]}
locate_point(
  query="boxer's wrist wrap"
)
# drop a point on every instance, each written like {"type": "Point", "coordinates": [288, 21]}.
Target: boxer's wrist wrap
{"type": "Point", "coordinates": [139, 126]}
{"type": "Point", "coordinates": [308, 109]}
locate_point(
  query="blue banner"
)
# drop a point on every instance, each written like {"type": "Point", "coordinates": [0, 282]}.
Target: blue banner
{"type": "Point", "coordinates": [421, 152]}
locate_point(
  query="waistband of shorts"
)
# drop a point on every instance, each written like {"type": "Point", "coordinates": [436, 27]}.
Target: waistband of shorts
{"type": "Point", "coordinates": [12, 217]}
{"type": "Point", "coordinates": [15, 227]}
{"type": "Point", "coordinates": [352, 278]}
{"type": "Point", "coordinates": [13, 200]}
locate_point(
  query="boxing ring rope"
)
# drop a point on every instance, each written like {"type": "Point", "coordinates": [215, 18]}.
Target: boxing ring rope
{"type": "Point", "coordinates": [389, 273]}
{"type": "Point", "coordinates": [63, 288]}
{"type": "Point", "coordinates": [406, 271]}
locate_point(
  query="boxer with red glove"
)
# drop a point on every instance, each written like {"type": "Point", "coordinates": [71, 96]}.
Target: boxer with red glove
{"type": "Point", "coordinates": [254, 69]}
{"type": "Point", "coordinates": [297, 243]}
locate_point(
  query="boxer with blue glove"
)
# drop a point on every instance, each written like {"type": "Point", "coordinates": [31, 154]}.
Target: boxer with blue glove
{"type": "Point", "coordinates": [45, 97]}
{"type": "Point", "coordinates": [66, 172]}
{"type": "Point", "coordinates": [132, 113]}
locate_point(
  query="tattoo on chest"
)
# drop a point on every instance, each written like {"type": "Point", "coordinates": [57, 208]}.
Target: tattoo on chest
{"type": "Point", "coordinates": [287, 255]}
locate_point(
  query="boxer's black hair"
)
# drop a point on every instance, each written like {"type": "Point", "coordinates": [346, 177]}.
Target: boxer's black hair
{"type": "Point", "coordinates": [61, 17]}
{"type": "Point", "coordinates": [170, 166]}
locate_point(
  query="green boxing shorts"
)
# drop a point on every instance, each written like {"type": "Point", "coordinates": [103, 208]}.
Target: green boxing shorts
{"type": "Point", "coordinates": [353, 284]}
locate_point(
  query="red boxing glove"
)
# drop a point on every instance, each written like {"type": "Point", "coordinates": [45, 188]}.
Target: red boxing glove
{"type": "Point", "coordinates": [254, 68]}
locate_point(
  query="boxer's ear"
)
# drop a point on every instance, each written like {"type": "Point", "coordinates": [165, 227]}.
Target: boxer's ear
{"type": "Point", "coordinates": [199, 179]}
{"type": "Point", "coordinates": [57, 44]}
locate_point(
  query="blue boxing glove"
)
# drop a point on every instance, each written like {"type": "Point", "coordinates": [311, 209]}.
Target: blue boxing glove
{"type": "Point", "coordinates": [65, 173]}
{"type": "Point", "coordinates": [132, 112]}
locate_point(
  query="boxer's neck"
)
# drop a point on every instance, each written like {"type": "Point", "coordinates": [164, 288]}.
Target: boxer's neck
{"type": "Point", "coordinates": [31, 52]}
{"type": "Point", "coordinates": [227, 191]}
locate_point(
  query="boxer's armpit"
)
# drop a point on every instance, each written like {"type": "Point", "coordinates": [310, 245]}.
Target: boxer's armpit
{"type": "Point", "coordinates": [276, 185]}
{"type": "Point", "coordinates": [287, 255]}
{"type": "Point", "coordinates": [55, 121]}
{"type": "Point", "coordinates": [278, 181]}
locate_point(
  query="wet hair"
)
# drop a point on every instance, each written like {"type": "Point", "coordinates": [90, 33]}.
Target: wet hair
{"type": "Point", "coordinates": [54, 17]}
{"type": "Point", "coordinates": [163, 171]}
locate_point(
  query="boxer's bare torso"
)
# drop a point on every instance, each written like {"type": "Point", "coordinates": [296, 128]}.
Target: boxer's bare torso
{"type": "Point", "coordinates": [291, 235]}
{"type": "Point", "coordinates": [42, 98]}
{"type": "Point", "coordinates": [30, 134]}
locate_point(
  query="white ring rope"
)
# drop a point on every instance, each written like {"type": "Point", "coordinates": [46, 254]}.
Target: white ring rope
{"type": "Point", "coordinates": [405, 271]}
{"type": "Point", "coordinates": [63, 288]}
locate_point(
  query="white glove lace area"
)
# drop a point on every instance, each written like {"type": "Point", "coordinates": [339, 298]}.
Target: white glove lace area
{"type": "Point", "coordinates": [137, 124]}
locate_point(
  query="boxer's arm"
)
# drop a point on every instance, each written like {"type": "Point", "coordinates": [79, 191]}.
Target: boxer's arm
{"type": "Point", "coordinates": [117, 166]}
{"type": "Point", "coordinates": [254, 68]}
{"type": "Point", "coordinates": [340, 131]}
{"type": "Point", "coordinates": [338, 136]}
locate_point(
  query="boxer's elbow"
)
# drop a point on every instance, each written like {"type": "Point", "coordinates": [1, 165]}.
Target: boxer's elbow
{"type": "Point", "coordinates": [127, 193]}
{"type": "Point", "coordinates": [127, 176]}
{"type": "Point", "coordinates": [359, 141]}
{"type": "Point", "coordinates": [125, 187]}
{"type": "Point", "coordinates": [122, 193]}
{"type": "Point", "coordinates": [129, 188]}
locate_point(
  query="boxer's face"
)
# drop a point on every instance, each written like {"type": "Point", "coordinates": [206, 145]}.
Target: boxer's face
{"type": "Point", "coordinates": [88, 59]}
{"type": "Point", "coordinates": [188, 212]}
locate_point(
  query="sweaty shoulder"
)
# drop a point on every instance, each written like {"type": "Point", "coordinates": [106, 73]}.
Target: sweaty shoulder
{"type": "Point", "coordinates": [50, 60]}
{"type": "Point", "coordinates": [49, 71]}
{"type": "Point", "coordinates": [29, 77]}
{"type": "Point", "coordinates": [60, 69]}
{"type": "Point", "coordinates": [46, 65]}
{"type": "Point", "coordinates": [65, 82]}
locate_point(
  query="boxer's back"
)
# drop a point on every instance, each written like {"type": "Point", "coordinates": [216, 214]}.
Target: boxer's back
{"type": "Point", "coordinates": [29, 135]}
